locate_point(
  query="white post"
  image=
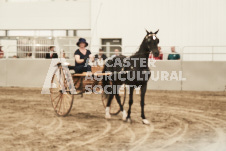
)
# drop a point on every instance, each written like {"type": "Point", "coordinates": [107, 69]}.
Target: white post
{"type": "Point", "coordinates": [108, 49]}
{"type": "Point", "coordinates": [33, 50]}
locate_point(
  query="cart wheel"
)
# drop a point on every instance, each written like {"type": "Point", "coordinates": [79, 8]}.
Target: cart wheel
{"type": "Point", "coordinates": [61, 98]}
{"type": "Point", "coordinates": [114, 108]}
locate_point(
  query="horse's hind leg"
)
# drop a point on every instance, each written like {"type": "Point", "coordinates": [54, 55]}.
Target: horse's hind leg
{"type": "Point", "coordinates": [107, 110]}
{"type": "Point", "coordinates": [119, 101]}
{"type": "Point", "coordinates": [130, 103]}
{"type": "Point", "coordinates": [124, 114]}
{"type": "Point", "coordinates": [143, 91]}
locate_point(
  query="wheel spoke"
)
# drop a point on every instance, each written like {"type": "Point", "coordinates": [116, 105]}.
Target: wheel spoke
{"type": "Point", "coordinates": [65, 83]}
{"type": "Point", "coordinates": [55, 97]}
{"type": "Point", "coordinates": [63, 107]}
{"type": "Point", "coordinates": [55, 77]}
{"type": "Point", "coordinates": [66, 105]}
{"type": "Point", "coordinates": [70, 98]}
{"type": "Point", "coordinates": [60, 105]}
{"type": "Point", "coordinates": [58, 102]}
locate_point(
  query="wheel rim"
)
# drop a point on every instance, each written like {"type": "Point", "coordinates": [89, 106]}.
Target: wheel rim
{"type": "Point", "coordinates": [114, 107]}
{"type": "Point", "coordinates": [61, 98]}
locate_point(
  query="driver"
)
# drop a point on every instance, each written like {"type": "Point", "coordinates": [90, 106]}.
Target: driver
{"type": "Point", "coordinates": [82, 56]}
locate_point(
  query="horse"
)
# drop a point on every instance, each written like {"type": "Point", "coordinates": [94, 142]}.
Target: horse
{"type": "Point", "coordinates": [132, 71]}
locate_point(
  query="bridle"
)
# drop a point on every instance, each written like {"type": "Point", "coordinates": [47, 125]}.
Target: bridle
{"type": "Point", "coordinates": [147, 38]}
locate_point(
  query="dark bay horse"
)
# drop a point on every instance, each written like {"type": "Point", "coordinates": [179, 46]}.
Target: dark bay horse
{"type": "Point", "coordinates": [132, 71]}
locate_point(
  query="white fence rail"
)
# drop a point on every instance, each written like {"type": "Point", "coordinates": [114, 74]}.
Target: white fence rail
{"type": "Point", "coordinates": [203, 53]}
{"type": "Point", "coordinates": [188, 53]}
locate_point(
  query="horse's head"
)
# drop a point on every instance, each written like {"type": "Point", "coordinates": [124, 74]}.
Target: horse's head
{"type": "Point", "coordinates": [152, 42]}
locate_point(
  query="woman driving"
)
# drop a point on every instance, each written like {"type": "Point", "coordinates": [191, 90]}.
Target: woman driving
{"type": "Point", "coordinates": [82, 56]}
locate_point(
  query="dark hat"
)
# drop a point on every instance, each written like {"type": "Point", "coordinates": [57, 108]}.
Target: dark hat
{"type": "Point", "coordinates": [82, 40]}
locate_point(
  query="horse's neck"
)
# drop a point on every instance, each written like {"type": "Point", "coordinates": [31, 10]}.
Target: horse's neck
{"type": "Point", "coordinates": [143, 51]}
{"type": "Point", "coordinates": [140, 55]}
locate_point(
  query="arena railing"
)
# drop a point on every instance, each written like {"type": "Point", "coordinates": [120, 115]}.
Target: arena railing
{"type": "Point", "coordinates": [37, 51]}
{"type": "Point", "coordinates": [203, 53]}
{"type": "Point", "coordinates": [94, 49]}
{"type": "Point", "coordinates": [188, 53]}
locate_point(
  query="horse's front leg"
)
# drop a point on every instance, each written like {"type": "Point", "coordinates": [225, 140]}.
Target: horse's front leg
{"type": "Point", "coordinates": [130, 103]}
{"type": "Point", "coordinates": [124, 114]}
{"type": "Point", "coordinates": [143, 91]}
{"type": "Point", "coordinates": [107, 110]}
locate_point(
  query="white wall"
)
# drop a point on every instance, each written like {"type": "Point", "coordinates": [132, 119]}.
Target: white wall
{"type": "Point", "coordinates": [181, 22]}
{"type": "Point", "coordinates": [45, 15]}
{"type": "Point", "coordinates": [200, 76]}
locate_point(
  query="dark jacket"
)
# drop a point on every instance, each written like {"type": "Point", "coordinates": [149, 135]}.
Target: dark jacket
{"type": "Point", "coordinates": [54, 55]}
{"type": "Point", "coordinates": [103, 57]}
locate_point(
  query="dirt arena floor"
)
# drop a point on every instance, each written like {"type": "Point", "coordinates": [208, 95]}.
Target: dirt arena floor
{"type": "Point", "coordinates": [180, 121]}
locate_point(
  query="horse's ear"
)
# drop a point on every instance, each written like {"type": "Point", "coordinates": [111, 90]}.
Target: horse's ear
{"type": "Point", "coordinates": [157, 31]}
{"type": "Point", "coordinates": [147, 31]}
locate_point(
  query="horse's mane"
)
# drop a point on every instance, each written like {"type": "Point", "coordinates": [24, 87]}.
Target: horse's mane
{"type": "Point", "coordinates": [142, 49]}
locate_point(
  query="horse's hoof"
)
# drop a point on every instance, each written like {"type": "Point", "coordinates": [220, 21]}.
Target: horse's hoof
{"type": "Point", "coordinates": [146, 122]}
{"type": "Point", "coordinates": [124, 115]}
{"type": "Point", "coordinates": [107, 116]}
{"type": "Point", "coordinates": [128, 120]}
{"type": "Point", "coordinates": [107, 113]}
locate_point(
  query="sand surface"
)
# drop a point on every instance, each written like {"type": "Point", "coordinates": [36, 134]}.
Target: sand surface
{"type": "Point", "coordinates": [180, 121]}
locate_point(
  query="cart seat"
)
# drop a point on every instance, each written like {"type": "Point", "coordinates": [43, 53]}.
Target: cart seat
{"type": "Point", "coordinates": [86, 74]}
{"type": "Point", "coordinates": [96, 70]}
